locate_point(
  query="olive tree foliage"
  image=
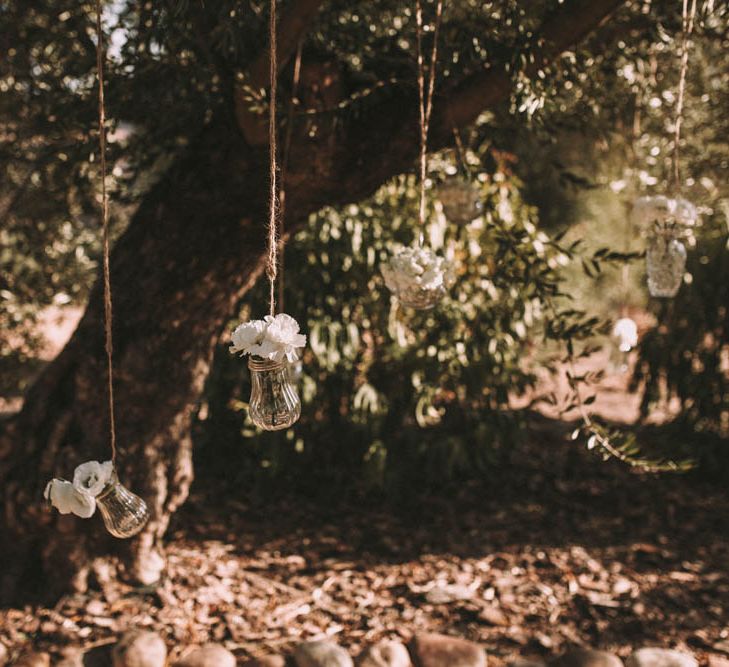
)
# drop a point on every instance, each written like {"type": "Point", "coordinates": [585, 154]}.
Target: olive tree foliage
{"type": "Point", "coordinates": [176, 64]}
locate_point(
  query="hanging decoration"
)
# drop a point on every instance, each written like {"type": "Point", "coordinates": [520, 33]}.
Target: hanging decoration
{"type": "Point", "coordinates": [97, 484]}
{"type": "Point", "coordinates": [272, 343]}
{"type": "Point", "coordinates": [459, 194]}
{"type": "Point", "coordinates": [461, 199]}
{"type": "Point", "coordinates": [668, 218]}
{"type": "Point", "coordinates": [418, 276]}
{"type": "Point", "coordinates": [666, 221]}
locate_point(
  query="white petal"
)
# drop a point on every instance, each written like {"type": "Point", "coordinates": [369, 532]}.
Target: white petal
{"type": "Point", "coordinates": [91, 477]}
{"type": "Point", "coordinates": [67, 499]}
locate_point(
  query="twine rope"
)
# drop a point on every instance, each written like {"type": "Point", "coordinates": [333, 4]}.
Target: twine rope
{"type": "Point", "coordinates": [272, 251]}
{"type": "Point", "coordinates": [108, 343]}
{"type": "Point", "coordinates": [425, 99]}
{"type": "Point", "coordinates": [687, 26]}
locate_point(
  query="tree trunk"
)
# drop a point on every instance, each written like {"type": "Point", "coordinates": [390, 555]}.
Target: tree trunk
{"type": "Point", "coordinates": [193, 248]}
{"type": "Point", "coordinates": [176, 273]}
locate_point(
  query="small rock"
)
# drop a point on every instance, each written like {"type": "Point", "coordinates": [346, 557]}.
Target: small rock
{"type": "Point", "coordinates": [3, 654]}
{"type": "Point", "coordinates": [321, 654]}
{"type": "Point", "coordinates": [446, 593]}
{"type": "Point", "coordinates": [493, 616]}
{"type": "Point", "coordinates": [71, 657]}
{"type": "Point", "coordinates": [210, 655]}
{"type": "Point", "coordinates": [140, 648]}
{"type": "Point", "coordinates": [266, 661]}
{"type": "Point", "coordinates": [527, 662]}
{"type": "Point", "coordinates": [660, 657]}
{"type": "Point", "coordinates": [586, 658]}
{"type": "Point", "coordinates": [33, 660]}
{"type": "Point", "coordinates": [385, 654]}
{"type": "Point", "coordinates": [432, 650]}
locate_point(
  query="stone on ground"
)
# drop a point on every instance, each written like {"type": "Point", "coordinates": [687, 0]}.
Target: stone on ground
{"type": "Point", "coordinates": [71, 657]}
{"type": "Point", "coordinates": [209, 655]}
{"type": "Point", "coordinates": [585, 657]}
{"type": "Point", "coordinates": [433, 650]}
{"type": "Point", "coordinates": [385, 654]}
{"type": "Point", "coordinates": [140, 648]}
{"type": "Point", "coordinates": [321, 654]}
{"type": "Point", "coordinates": [266, 661]}
{"type": "Point", "coordinates": [33, 659]}
{"type": "Point", "coordinates": [528, 662]}
{"type": "Point", "coordinates": [660, 657]}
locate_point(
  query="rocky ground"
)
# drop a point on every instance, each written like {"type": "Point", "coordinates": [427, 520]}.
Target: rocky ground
{"type": "Point", "coordinates": [561, 551]}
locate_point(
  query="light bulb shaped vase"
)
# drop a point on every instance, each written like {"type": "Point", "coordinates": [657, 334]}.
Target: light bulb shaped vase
{"type": "Point", "coordinates": [124, 513]}
{"type": "Point", "coordinates": [461, 200]}
{"type": "Point", "coordinates": [665, 264]}
{"type": "Point", "coordinates": [274, 403]}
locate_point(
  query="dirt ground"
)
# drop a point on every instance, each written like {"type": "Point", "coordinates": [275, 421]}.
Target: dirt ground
{"type": "Point", "coordinates": [564, 550]}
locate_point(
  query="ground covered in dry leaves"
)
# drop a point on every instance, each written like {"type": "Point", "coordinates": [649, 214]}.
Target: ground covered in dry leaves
{"type": "Point", "coordinates": [562, 550]}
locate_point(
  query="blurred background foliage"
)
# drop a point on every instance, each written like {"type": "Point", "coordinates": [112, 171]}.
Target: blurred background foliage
{"type": "Point", "coordinates": [391, 393]}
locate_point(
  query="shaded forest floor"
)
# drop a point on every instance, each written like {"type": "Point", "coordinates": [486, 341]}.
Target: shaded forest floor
{"type": "Point", "coordinates": [563, 549]}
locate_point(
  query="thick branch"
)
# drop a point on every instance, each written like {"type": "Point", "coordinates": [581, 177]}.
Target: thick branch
{"type": "Point", "coordinates": [291, 29]}
{"type": "Point", "coordinates": [483, 90]}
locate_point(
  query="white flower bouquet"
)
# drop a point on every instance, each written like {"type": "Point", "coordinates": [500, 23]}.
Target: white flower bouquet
{"type": "Point", "coordinates": [664, 213]}
{"type": "Point", "coordinates": [273, 338]}
{"type": "Point", "coordinates": [79, 497]}
{"type": "Point", "coordinates": [418, 276]}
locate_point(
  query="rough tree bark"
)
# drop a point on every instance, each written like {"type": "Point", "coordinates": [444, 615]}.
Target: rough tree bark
{"type": "Point", "coordinates": [191, 251]}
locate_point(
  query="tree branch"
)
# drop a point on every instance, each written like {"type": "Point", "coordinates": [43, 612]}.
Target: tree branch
{"type": "Point", "coordinates": [574, 21]}
{"type": "Point", "coordinates": [292, 27]}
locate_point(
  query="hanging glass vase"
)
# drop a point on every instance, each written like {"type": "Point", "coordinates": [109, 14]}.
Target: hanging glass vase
{"type": "Point", "coordinates": [665, 263]}
{"type": "Point", "coordinates": [274, 403]}
{"type": "Point", "coordinates": [418, 277]}
{"type": "Point", "coordinates": [461, 199]}
{"type": "Point", "coordinates": [124, 513]}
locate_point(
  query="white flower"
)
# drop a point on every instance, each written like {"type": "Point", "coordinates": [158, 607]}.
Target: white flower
{"type": "Point", "coordinates": [416, 269]}
{"type": "Point", "coordinates": [275, 338]}
{"type": "Point", "coordinates": [661, 209]}
{"type": "Point", "coordinates": [67, 498]}
{"type": "Point", "coordinates": [92, 476]}
{"type": "Point", "coordinates": [685, 212]}
{"type": "Point", "coordinates": [283, 338]}
{"type": "Point", "coordinates": [247, 335]}
{"type": "Point", "coordinates": [625, 333]}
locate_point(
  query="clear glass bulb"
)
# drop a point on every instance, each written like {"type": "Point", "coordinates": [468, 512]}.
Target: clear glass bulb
{"type": "Point", "coordinates": [124, 512]}
{"type": "Point", "coordinates": [461, 200]}
{"type": "Point", "coordinates": [665, 264]}
{"type": "Point", "coordinates": [421, 298]}
{"type": "Point", "coordinates": [274, 403]}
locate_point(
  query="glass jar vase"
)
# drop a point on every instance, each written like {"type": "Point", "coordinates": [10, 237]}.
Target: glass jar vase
{"type": "Point", "coordinates": [665, 264]}
{"type": "Point", "coordinates": [274, 403]}
{"type": "Point", "coordinates": [461, 200]}
{"type": "Point", "coordinates": [124, 513]}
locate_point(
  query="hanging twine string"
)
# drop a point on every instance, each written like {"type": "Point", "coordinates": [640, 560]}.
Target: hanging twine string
{"type": "Point", "coordinates": [426, 100]}
{"type": "Point", "coordinates": [687, 26]}
{"type": "Point", "coordinates": [105, 227]}
{"type": "Point", "coordinates": [272, 261]}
